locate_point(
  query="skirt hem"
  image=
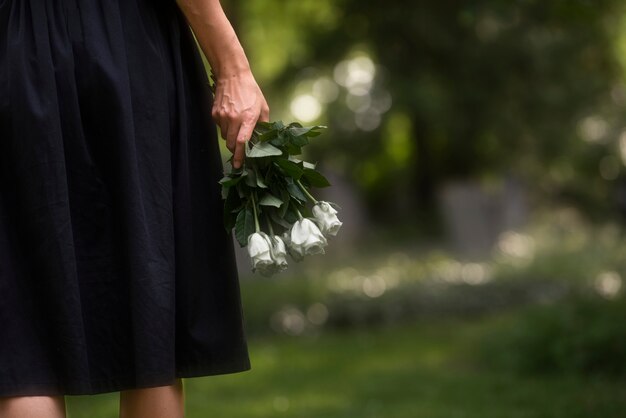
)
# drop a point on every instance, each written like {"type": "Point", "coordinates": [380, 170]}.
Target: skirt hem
{"type": "Point", "coordinates": [120, 384]}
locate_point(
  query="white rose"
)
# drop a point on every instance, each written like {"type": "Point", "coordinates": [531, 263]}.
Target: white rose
{"type": "Point", "coordinates": [259, 251]}
{"type": "Point", "coordinates": [306, 238]}
{"type": "Point", "coordinates": [326, 218]}
{"type": "Point", "coordinates": [287, 240]}
{"type": "Point", "coordinates": [278, 253]}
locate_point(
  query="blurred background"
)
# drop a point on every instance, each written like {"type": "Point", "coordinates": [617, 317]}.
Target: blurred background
{"type": "Point", "coordinates": [477, 149]}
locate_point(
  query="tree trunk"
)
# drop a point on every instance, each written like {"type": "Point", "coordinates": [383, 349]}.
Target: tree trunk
{"type": "Point", "coordinates": [423, 177]}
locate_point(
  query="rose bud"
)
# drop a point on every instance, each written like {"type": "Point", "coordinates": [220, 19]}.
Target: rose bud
{"type": "Point", "coordinates": [326, 218]}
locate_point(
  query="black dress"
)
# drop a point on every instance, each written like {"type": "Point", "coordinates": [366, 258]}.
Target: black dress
{"type": "Point", "coordinates": [115, 269]}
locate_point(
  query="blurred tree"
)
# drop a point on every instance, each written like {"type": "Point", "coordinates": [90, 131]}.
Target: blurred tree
{"type": "Point", "coordinates": [479, 87]}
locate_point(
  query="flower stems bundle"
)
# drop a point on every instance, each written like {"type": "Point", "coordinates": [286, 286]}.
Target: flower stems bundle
{"type": "Point", "coordinates": [269, 203]}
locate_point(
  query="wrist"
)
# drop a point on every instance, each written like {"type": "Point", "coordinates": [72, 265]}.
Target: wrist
{"type": "Point", "coordinates": [231, 61]}
{"type": "Point", "coordinates": [231, 69]}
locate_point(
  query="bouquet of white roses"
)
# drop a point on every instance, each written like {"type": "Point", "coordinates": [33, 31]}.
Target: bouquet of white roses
{"type": "Point", "coordinates": [267, 199]}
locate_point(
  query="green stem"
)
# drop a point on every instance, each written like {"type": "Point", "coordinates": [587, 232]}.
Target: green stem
{"type": "Point", "coordinates": [309, 195]}
{"type": "Point", "coordinates": [299, 214]}
{"type": "Point", "coordinates": [256, 220]}
{"type": "Point", "coordinates": [269, 223]}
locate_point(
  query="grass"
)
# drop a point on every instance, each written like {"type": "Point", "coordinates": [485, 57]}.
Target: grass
{"type": "Point", "coordinates": [411, 370]}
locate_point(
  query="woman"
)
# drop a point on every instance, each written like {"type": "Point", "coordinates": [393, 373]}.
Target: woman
{"type": "Point", "coordinates": [116, 273]}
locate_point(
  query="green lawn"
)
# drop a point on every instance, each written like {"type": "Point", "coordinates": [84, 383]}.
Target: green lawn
{"type": "Point", "coordinates": [414, 370]}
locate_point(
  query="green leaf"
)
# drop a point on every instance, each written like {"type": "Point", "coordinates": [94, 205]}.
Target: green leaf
{"type": "Point", "coordinates": [286, 197]}
{"type": "Point", "coordinates": [259, 179]}
{"type": "Point", "coordinates": [291, 216]}
{"type": "Point", "coordinates": [270, 200]}
{"type": "Point", "coordinates": [231, 202]}
{"type": "Point", "coordinates": [262, 149]}
{"type": "Point", "coordinates": [300, 131]}
{"type": "Point", "coordinates": [299, 141]}
{"type": "Point", "coordinates": [315, 178]}
{"type": "Point", "coordinates": [251, 178]}
{"type": "Point", "coordinates": [265, 125]}
{"type": "Point", "coordinates": [243, 190]}
{"type": "Point", "coordinates": [228, 181]}
{"type": "Point", "coordinates": [268, 175]}
{"type": "Point", "coordinates": [295, 191]}
{"type": "Point", "coordinates": [275, 216]}
{"type": "Point", "coordinates": [269, 135]}
{"type": "Point", "coordinates": [290, 168]}
{"type": "Point", "coordinates": [280, 140]}
{"type": "Point", "coordinates": [260, 182]}
{"type": "Point", "coordinates": [306, 164]}
{"type": "Point", "coordinates": [244, 226]}
{"type": "Point", "coordinates": [293, 149]}
{"type": "Point", "coordinates": [310, 131]}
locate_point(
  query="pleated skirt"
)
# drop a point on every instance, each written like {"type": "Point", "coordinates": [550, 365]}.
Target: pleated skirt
{"type": "Point", "coordinates": [115, 269]}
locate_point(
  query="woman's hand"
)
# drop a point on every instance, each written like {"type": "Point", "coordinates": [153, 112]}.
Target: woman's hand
{"type": "Point", "coordinates": [238, 105]}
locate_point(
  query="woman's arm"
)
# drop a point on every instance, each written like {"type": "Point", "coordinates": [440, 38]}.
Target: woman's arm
{"type": "Point", "coordinates": [239, 102]}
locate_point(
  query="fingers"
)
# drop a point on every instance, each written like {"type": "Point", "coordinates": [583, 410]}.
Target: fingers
{"type": "Point", "coordinates": [222, 122]}
{"type": "Point", "coordinates": [244, 134]}
{"type": "Point", "coordinates": [224, 134]}
{"type": "Point", "coordinates": [237, 119]}
{"type": "Point", "coordinates": [265, 113]}
{"type": "Point", "coordinates": [231, 135]}
{"type": "Point", "coordinates": [237, 129]}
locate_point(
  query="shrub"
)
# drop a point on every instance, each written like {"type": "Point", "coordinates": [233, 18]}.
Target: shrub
{"type": "Point", "coordinates": [583, 335]}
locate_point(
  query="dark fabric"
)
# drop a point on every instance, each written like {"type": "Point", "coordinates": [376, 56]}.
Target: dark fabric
{"type": "Point", "coordinates": [115, 269]}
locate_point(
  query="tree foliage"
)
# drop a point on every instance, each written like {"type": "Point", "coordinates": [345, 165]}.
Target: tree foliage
{"type": "Point", "coordinates": [481, 87]}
